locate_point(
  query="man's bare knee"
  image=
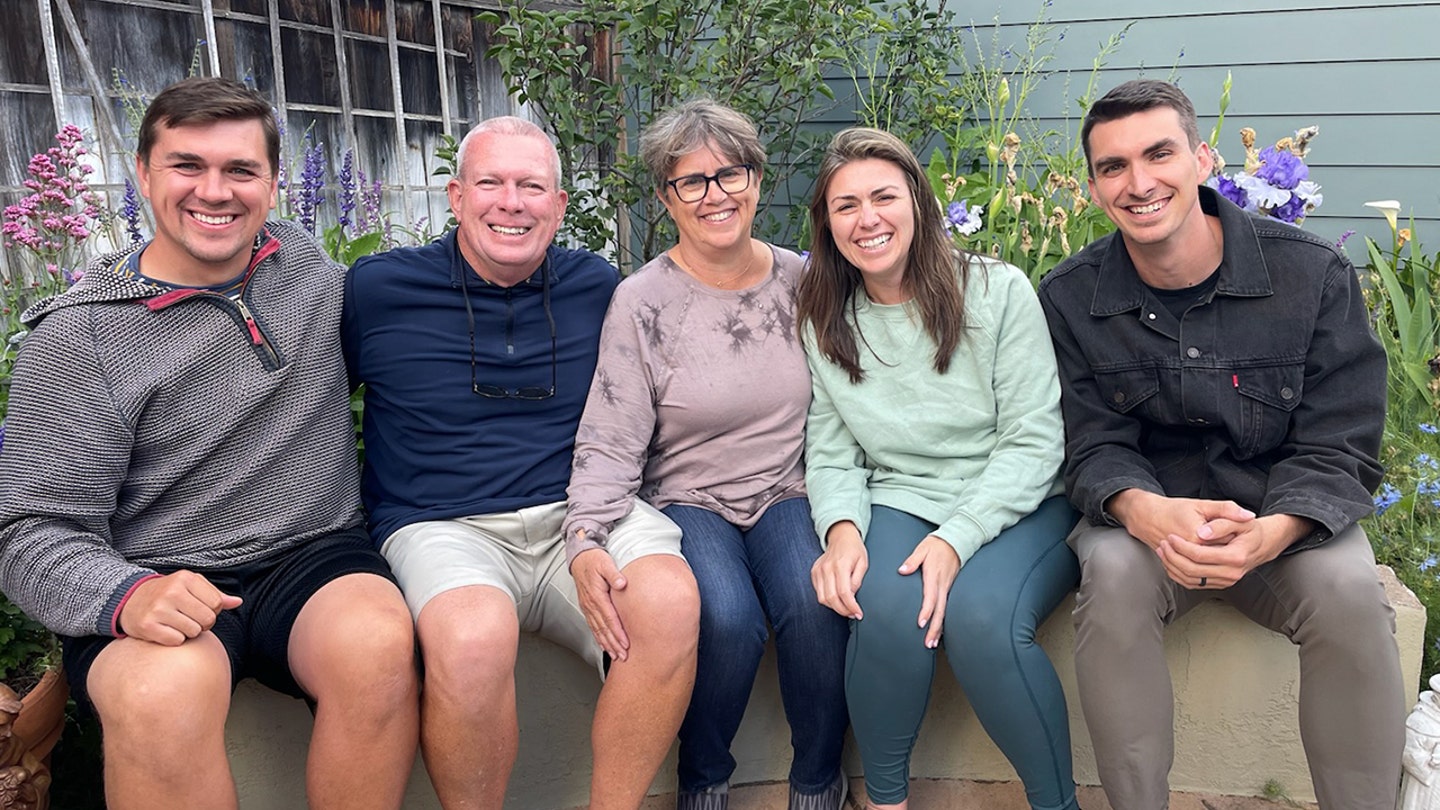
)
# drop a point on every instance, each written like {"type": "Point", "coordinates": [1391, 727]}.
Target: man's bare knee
{"type": "Point", "coordinates": [171, 692]}
{"type": "Point", "coordinates": [468, 638]}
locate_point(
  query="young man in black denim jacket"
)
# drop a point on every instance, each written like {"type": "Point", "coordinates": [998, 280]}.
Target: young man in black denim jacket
{"type": "Point", "coordinates": [1224, 398]}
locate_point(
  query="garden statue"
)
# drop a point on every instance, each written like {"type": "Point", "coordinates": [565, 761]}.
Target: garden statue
{"type": "Point", "coordinates": [1420, 785]}
{"type": "Point", "coordinates": [24, 780]}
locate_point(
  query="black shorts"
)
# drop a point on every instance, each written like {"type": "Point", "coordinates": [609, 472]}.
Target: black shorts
{"type": "Point", "coordinates": [256, 635]}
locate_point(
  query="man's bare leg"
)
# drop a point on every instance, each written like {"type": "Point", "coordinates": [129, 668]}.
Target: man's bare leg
{"type": "Point", "coordinates": [352, 649]}
{"type": "Point", "coordinates": [163, 712]}
{"type": "Point", "coordinates": [469, 729]}
{"type": "Point", "coordinates": [645, 697]}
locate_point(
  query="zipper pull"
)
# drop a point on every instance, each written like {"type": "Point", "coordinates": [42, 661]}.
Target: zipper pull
{"type": "Point", "coordinates": [255, 337]}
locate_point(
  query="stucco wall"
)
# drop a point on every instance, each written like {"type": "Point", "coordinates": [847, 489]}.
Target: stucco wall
{"type": "Point", "coordinates": [1236, 687]}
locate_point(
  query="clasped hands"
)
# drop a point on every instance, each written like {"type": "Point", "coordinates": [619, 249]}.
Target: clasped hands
{"type": "Point", "coordinates": [840, 570]}
{"type": "Point", "coordinates": [1205, 543]}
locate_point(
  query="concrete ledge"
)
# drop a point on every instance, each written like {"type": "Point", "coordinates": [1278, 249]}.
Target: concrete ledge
{"type": "Point", "coordinates": [1236, 687]}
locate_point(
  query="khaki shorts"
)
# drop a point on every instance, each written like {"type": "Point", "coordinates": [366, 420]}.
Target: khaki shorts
{"type": "Point", "coordinates": [523, 554]}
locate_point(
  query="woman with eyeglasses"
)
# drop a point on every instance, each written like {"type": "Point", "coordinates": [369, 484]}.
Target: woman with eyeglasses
{"type": "Point", "coordinates": [933, 451]}
{"type": "Point", "coordinates": [698, 407]}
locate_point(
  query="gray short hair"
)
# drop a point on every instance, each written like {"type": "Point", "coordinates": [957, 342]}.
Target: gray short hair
{"type": "Point", "coordinates": [504, 125]}
{"type": "Point", "coordinates": [694, 125]}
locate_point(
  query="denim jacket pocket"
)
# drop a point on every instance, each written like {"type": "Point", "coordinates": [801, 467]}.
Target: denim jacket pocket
{"type": "Point", "coordinates": [1123, 391]}
{"type": "Point", "coordinates": [1268, 395]}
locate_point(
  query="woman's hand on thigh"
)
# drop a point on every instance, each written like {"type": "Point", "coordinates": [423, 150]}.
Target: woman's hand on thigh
{"type": "Point", "coordinates": [838, 572]}
{"type": "Point", "coordinates": [938, 564]}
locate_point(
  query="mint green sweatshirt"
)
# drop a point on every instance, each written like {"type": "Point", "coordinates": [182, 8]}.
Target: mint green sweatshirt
{"type": "Point", "coordinates": [973, 450]}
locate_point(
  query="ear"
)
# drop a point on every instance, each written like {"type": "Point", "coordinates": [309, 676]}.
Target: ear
{"type": "Point", "coordinates": [1205, 159]}
{"type": "Point", "coordinates": [562, 202]}
{"type": "Point", "coordinates": [142, 175]}
{"type": "Point", "coordinates": [452, 192]}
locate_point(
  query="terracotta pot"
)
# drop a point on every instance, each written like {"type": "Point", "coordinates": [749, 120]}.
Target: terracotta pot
{"type": "Point", "coordinates": [29, 729]}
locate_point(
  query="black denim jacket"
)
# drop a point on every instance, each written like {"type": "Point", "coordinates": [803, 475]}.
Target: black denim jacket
{"type": "Point", "coordinates": [1270, 392]}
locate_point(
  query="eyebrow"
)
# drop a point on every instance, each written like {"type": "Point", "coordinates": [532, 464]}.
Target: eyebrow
{"type": "Point", "coordinates": [872, 192]}
{"type": "Point", "coordinates": [1163, 143]}
{"type": "Point", "coordinates": [191, 157]}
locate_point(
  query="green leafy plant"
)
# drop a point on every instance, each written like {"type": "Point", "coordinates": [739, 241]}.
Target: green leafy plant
{"type": "Point", "coordinates": [1401, 291]}
{"type": "Point", "coordinates": [1010, 189]}
{"type": "Point", "coordinates": [769, 59]}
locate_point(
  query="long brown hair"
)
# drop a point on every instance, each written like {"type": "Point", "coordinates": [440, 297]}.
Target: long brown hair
{"type": "Point", "coordinates": [935, 273]}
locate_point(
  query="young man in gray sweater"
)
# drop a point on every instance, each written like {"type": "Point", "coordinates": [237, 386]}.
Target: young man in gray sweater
{"type": "Point", "coordinates": [179, 494]}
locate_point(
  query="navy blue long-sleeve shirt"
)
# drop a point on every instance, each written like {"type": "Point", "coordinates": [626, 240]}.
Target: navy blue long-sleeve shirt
{"type": "Point", "coordinates": [434, 449]}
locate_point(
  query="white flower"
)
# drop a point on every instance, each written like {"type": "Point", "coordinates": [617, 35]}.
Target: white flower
{"type": "Point", "coordinates": [1390, 208]}
{"type": "Point", "coordinates": [1262, 193]}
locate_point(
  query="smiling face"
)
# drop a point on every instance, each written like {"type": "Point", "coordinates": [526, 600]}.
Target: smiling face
{"type": "Point", "coordinates": [211, 187]}
{"type": "Point", "coordinates": [1144, 174]}
{"type": "Point", "coordinates": [719, 221]}
{"type": "Point", "coordinates": [872, 220]}
{"type": "Point", "coordinates": [508, 204]}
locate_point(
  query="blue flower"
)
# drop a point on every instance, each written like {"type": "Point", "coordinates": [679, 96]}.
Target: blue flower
{"type": "Point", "coordinates": [1424, 460]}
{"type": "Point", "coordinates": [1387, 498]}
{"type": "Point", "coordinates": [1426, 427]}
{"type": "Point", "coordinates": [130, 212]}
{"type": "Point", "coordinates": [962, 220]}
{"type": "Point", "coordinates": [1428, 563]}
{"type": "Point", "coordinates": [312, 184]}
{"type": "Point", "coordinates": [1261, 193]}
{"type": "Point", "coordinates": [1230, 191]}
{"type": "Point", "coordinates": [347, 188]}
{"type": "Point", "coordinates": [1290, 211]}
{"type": "Point", "coordinates": [1281, 168]}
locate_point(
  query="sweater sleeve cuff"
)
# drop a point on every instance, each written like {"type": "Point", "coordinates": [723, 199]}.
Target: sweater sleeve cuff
{"type": "Point", "coordinates": [595, 536]}
{"type": "Point", "coordinates": [964, 535]}
{"type": "Point", "coordinates": [110, 616]}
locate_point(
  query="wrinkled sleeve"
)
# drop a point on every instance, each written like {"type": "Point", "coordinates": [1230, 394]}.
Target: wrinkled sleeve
{"type": "Point", "coordinates": [1102, 445]}
{"type": "Point", "coordinates": [613, 440]}
{"type": "Point", "coordinates": [836, 477]}
{"type": "Point", "coordinates": [1328, 464]}
{"type": "Point", "coordinates": [1029, 442]}
{"type": "Point", "coordinates": [66, 452]}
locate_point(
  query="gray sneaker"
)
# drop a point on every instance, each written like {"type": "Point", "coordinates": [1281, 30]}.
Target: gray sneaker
{"type": "Point", "coordinates": [831, 798]}
{"type": "Point", "coordinates": [711, 798]}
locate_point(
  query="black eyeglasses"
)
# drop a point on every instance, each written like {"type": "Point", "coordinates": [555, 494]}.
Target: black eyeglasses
{"type": "Point", "coordinates": [694, 187]}
{"type": "Point", "coordinates": [528, 392]}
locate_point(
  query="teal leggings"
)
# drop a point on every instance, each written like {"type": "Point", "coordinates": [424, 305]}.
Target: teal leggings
{"type": "Point", "coordinates": [997, 601]}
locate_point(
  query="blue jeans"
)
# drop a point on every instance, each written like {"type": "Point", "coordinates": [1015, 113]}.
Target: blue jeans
{"type": "Point", "coordinates": [996, 603]}
{"type": "Point", "coordinates": [745, 578]}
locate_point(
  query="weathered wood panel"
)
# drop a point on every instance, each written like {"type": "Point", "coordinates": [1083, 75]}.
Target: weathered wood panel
{"type": "Point", "coordinates": [340, 85]}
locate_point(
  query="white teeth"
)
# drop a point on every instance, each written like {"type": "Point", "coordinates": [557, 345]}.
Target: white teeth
{"type": "Point", "coordinates": [1147, 209]}
{"type": "Point", "coordinates": [875, 242]}
{"type": "Point", "coordinates": [509, 231]}
{"type": "Point", "coordinates": [718, 216]}
{"type": "Point", "coordinates": [214, 220]}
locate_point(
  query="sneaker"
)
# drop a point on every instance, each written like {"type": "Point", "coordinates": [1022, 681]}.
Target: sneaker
{"type": "Point", "coordinates": [831, 798]}
{"type": "Point", "coordinates": [711, 798]}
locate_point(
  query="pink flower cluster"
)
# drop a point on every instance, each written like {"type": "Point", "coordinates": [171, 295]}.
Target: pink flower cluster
{"type": "Point", "coordinates": [61, 207]}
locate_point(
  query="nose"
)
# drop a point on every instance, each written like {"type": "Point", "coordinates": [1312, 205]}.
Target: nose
{"type": "Point", "coordinates": [868, 216]}
{"type": "Point", "coordinates": [1141, 182]}
{"type": "Point", "coordinates": [510, 197]}
{"type": "Point", "coordinates": [213, 186]}
{"type": "Point", "coordinates": [713, 192]}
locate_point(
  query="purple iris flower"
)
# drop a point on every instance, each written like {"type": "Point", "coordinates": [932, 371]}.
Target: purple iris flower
{"type": "Point", "coordinates": [1229, 190]}
{"type": "Point", "coordinates": [1281, 168]}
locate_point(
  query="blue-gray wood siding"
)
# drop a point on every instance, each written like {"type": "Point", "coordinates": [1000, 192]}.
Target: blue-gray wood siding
{"type": "Point", "coordinates": [1368, 74]}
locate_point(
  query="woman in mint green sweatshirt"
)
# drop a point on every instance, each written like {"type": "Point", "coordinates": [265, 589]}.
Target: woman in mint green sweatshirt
{"type": "Point", "coordinates": [933, 448]}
